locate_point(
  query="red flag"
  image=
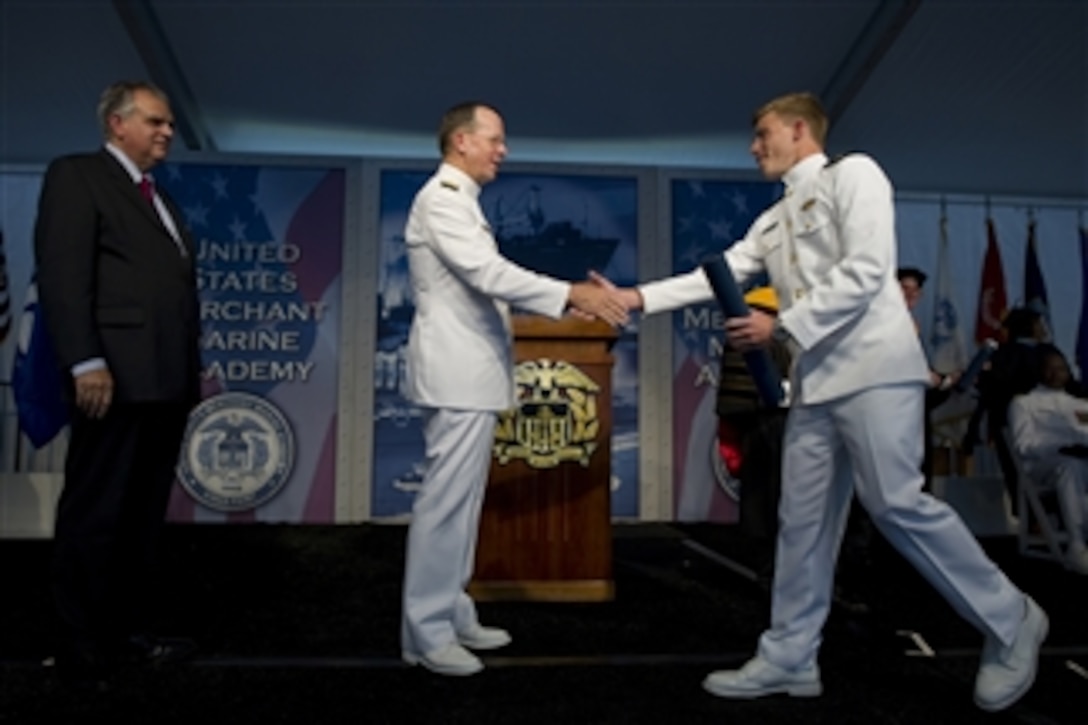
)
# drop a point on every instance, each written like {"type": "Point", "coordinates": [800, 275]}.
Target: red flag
{"type": "Point", "coordinates": [992, 302]}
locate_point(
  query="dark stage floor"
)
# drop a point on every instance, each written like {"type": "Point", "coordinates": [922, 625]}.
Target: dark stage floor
{"type": "Point", "coordinates": [299, 625]}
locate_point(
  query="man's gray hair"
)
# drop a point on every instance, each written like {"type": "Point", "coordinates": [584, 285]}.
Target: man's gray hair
{"type": "Point", "coordinates": [119, 100]}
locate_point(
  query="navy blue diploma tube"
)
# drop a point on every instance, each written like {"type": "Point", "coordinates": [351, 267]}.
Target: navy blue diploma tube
{"type": "Point", "coordinates": [732, 304]}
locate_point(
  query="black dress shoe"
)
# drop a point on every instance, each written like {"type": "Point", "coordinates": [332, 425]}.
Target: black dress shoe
{"type": "Point", "coordinates": [152, 650]}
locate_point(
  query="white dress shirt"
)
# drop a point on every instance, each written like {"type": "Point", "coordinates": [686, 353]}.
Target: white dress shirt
{"type": "Point", "coordinates": [160, 207]}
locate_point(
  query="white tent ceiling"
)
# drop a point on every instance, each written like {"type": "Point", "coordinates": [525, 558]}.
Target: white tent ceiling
{"type": "Point", "coordinates": [968, 96]}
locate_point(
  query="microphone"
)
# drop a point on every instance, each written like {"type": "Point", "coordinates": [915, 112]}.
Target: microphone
{"type": "Point", "coordinates": [768, 383]}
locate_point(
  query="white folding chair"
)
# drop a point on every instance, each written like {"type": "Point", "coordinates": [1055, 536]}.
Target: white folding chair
{"type": "Point", "coordinates": [1040, 532]}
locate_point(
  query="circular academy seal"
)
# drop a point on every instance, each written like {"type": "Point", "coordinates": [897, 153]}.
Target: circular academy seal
{"type": "Point", "coordinates": [238, 452]}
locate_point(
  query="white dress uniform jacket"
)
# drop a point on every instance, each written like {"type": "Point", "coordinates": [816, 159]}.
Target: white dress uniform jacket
{"type": "Point", "coordinates": [1043, 421]}
{"type": "Point", "coordinates": [857, 384]}
{"type": "Point", "coordinates": [851, 325]}
{"type": "Point", "coordinates": [459, 348]}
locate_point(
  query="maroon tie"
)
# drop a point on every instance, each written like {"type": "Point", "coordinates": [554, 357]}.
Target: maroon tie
{"type": "Point", "coordinates": [147, 190]}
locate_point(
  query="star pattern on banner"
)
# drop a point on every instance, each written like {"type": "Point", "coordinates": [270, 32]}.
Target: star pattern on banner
{"type": "Point", "coordinates": [218, 204]}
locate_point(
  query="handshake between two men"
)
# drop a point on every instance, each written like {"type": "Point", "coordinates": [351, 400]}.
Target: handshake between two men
{"type": "Point", "coordinates": [599, 298]}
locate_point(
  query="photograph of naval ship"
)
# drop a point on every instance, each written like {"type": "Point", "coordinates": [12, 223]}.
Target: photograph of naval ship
{"type": "Point", "coordinates": [558, 248]}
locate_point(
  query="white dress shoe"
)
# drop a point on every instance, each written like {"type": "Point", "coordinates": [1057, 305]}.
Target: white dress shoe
{"type": "Point", "coordinates": [759, 677]}
{"type": "Point", "coordinates": [453, 659]}
{"type": "Point", "coordinates": [1006, 673]}
{"type": "Point", "coordinates": [1076, 558]}
{"type": "Point", "coordinates": [481, 637]}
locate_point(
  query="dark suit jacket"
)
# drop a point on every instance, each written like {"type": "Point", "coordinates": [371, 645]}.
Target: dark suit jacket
{"type": "Point", "coordinates": [112, 282]}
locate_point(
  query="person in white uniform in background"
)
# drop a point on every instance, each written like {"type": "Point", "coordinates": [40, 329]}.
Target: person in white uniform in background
{"type": "Point", "coordinates": [460, 370]}
{"type": "Point", "coordinates": [1049, 429]}
{"type": "Point", "coordinates": [858, 388]}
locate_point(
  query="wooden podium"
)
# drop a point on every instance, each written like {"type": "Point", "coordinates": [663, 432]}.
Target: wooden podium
{"type": "Point", "coordinates": [545, 531]}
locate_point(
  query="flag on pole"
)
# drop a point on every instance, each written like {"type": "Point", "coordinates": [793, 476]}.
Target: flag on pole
{"type": "Point", "coordinates": [1034, 287]}
{"type": "Point", "coordinates": [36, 380]}
{"type": "Point", "coordinates": [946, 339]}
{"type": "Point", "coordinates": [1082, 329]}
{"type": "Point", "coordinates": [992, 302]}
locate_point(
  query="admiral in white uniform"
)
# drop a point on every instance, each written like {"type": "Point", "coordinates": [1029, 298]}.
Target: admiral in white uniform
{"type": "Point", "coordinates": [460, 370]}
{"type": "Point", "coordinates": [858, 384]}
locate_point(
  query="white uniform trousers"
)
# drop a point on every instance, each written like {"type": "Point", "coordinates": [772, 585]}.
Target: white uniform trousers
{"type": "Point", "coordinates": [870, 441]}
{"type": "Point", "coordinates": [442, 534]}
{"type": "Point", "coordinates": [1070, 476]}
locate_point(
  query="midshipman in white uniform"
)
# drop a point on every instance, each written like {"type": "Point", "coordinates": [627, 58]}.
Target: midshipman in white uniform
{"type": "Point", "coordinates": [858, 388]}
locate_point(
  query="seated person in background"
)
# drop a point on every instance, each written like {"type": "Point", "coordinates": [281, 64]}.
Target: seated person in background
{"type": "Point", "coordinates": [750, 440]}
{"type": "Point", "coordinates": [1049, 430]}
{"type": "Point", "coordinates": [1013, 370]}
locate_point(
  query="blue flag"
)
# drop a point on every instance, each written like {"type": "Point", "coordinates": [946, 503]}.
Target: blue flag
{"type": "Point", "coordinates": [36, 380]}
{"type": "Point", "coordinates": [1034, 287]}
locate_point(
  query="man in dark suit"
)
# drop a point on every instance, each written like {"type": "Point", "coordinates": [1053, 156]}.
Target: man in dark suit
{"type": "Point", "coordinates": [117, 284]}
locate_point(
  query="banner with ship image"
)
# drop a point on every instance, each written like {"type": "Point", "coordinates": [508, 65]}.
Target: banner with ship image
{"type": "Point", "coordinates": [562, 225]}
